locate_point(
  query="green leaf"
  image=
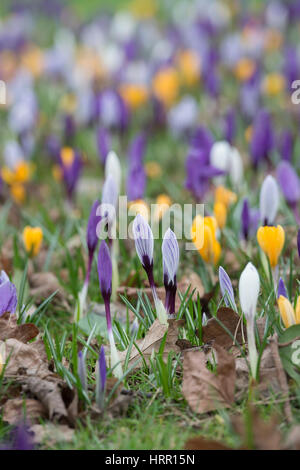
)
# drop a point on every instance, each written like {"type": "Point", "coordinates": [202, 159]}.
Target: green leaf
{"type": "Point", "coordinates": [87, 323]}
{"type": "Point", "coordinates": [290, 354]}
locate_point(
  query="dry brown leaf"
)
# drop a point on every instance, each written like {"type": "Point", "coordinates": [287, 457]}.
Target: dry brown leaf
{"type": "Point", "coordinates": [292, 441]}
{"type": "Point", "coordinates": [10, 329]}
{"type": "Point", "coordinates": [199, 443]}
{"type": "Point", "coordinates": [213, 331]}
{"type": "Point", "coordinates": [25, 359]}
{"type": "Point", "coordinates": [50, 434]}
{"type": "Point", "coordinates": [15, 409]}
{"type": "Point", "coordinates": [265, 435]}
{"type": "Point", "coordinates": [191, 279]}
{"type": "Point", "coordinates": [204, 390]}
{"type": "Point", "coordinates": [153, 339]}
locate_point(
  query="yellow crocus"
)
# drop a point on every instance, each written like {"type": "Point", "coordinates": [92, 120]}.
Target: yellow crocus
{"type": "Point", "coordinates": [32, 238]}
{"type": "Point", "coordinates": [225, 196]}
{"type": "Point", "coordinates": [288, 314]}
{"type": "Point", "coordinates": [153, 170]}
{"type": "Point", "coordinates": [244, 69]}
{"type": "Point", "coordinates": [273, 84]}
{"type": "Point", "coordinates": [163, 202]}
{"type": "Point", "coordinates": [21, 173]}
{"type": "Point", "coordinates": [134, 95]}
{"type": "Point", "coordinates": [203, 234]}
{"type": "Point", "coordinates": [18, 192]}
{"type": "Point", "coordinates": [139, 207]}
{"type": "Point", "coordinates": [189, 67]}
{"type": "Point", "coordinates": [271, 241]}
{"type": "Point", "coordinates": [165, 85]}
{"type": "Point", "coordinates": [220, 213]}
{"type": "Point", "coordinates": [67, 156]}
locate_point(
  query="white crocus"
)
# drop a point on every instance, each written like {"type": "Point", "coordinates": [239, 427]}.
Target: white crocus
{"type": "Point", "coordinates": [113, 168]}
{"type": "Point", "coordinates": [249, 285]}
{"type": "Point", "coordinates": [269, 200]}
{"type": "Point", "coordinates": [236, 170]}
{"type": "Point", "coordinates": [227, 159]}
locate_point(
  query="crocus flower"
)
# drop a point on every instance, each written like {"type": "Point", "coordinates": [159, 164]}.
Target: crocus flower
{"type": "Point", "coordinates": [199, 173]}
{"type": "Point", "coordinates": [100, 378]}
{"type": "Point", "coordinates": [228, 160]}
{"type": "Point", "coordinates": [32, 238]}
{"type": "Point", "coordinates": [288, 314]}
{"type": "Point", "coordinates": [105, 282]}
{"type": "Point", "coordinates": [203, 234]}
{"type": "Point", "coordinates": [262, 142]}
{"type": "Point", "coordinates": [92, 242]}
{"type": "Point", "coordinates": [226, 288]}
{"type": "Point", "coordinates": [230, 126]}
{"type": "Point", "coordinates": [144, 243]}
{"type": "Point", "coordinates": [290, 184]}
{"type": "Point", "coordinates": [298, 242]}
{"type": "Point", "coordinates": [281, 289]}
{"type": "Point", "coordinates": [71, 166]}
{"type": "Point", "coordinates": [82, 371]}
{"type": "Point", "coordinates": [269, 200]}
{"type": "Point", "coordinates": [223, 199]}
{"type": "Point", "coordinates": [248, 290]}
{"type": "Point", "coordinates": [103, 143]}
{"type": "Point", "coordinates": [286, 145]}
{"type": "Point", "coordinates": [170, 254]}
{"type": "Point", "coordinates": [271, 241]}
{"type": "Point", "coordinates": [113, 169]}
{"type": "Point", "coordinates": [8, 295]}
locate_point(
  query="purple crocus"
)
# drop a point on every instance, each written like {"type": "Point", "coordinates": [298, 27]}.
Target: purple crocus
{"type": "Point", "coordinates": [105, 282]}
{"type": "Point", "coordinates": [262, 142]}
{"type": "Point", "coordinates": [249, 220]}
{"type": "Point", "coordinates": [111, 110]}
{"type": "Point", "coordinates": [286, 145]}
{"type": "Point", "coordinates": [170, 254]}
{"type": "Point", "coordinates": [101, 378]}
{"type": "Point", "coordinates": [8, 295]}
{"type": "Point", "coordinates": [230, 126]}
{"type": "Point", "coordinates": [289, 183]}
{"type": "Point", "coordinates": [282, 289]}
{"type": "Point", "coordinates": [199, 173]}
{"type": "Point", "coordinates": [103, 143]}
{"type": "Point", "coordinates": [226, 288]}
{"type": "Point", "coordinates": [91, 234]}
{"type": "Point", "coordinates": [71, 173]}
{"type": "Point", "coordinates": [298, 242]}
{"type": "Point", "coordinates": [136, 179]}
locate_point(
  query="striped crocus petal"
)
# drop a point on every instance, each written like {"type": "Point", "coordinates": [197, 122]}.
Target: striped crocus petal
{"type": "Point", "coordinates": [226, 288]}
{"type": "Point", "coordinates": [286, 311]}
{"type": "Point", "coordinates": [143, 238]}
{"type": "Point", "coordinates": [170, 253]}
{"type": "Point", "coordinates": [281, 289]}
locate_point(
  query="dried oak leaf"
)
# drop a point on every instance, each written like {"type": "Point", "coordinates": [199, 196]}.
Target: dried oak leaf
{"type": "Point", "coordinates": [264, 435]}
{"type": "Point", "coordinates": [14, 409]}
{"type": "Point", "coordinates": [204, 390]}
{"type": "Point", "coordinates": [152, 341]}
{"type": "Point", "coordinates": [214, 331]}
{"type": "Point", "coordinates": [44, 284]}
{"type": "Point", "coordinates": [10, 329]}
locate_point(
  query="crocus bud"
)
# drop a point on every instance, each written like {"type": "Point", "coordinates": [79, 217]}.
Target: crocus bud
{"type": "Point", "coordinates": [271, 241]}
{"type": "Point", "coordinates": [170, 253]}
{"type": "Point", "coordinates": [100, 378]}
{"type": "Point", "coordinates": [144, 243]}
{"type": "Point", "coordinates": [245, 219]}
{"type": "Point", "coordinates": [105, 281]}
{"type": "Point", "coordinates": [289, 183]}
{"type": "Point", "coordinates": [249, 289]}
{"type": "Point", "coordinates": [91, 234]}
{"type": "Point", "coordinates": [281, 289]}
{"type": "Point", "coordinates": [82, 371]}
{"type": "Point", "coordinates": [103, 143]}
{"type": "Point", "coordinates": [226, 288]}
{"type": "Point", "coordinates": [8, 295]}
{"type": "Point", "coordinates": [113, 168]}
{"type": "Point", "coordinates": [288, 315]}
{"type": "Point", "coordinates": [32, 238]}
{"type": "Point", "coordinates": [269, 200]}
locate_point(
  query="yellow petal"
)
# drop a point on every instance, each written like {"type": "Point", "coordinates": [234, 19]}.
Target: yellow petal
{"type": "Point", "coordinates": [225, 196]}
{"type": "Point", "coordinates": [286, 311]}
{"type": "Point", "coordinates": [297, 312]}
{"type": "Point", "coordinates": [271, 241]}
{"type": "Point", "coordinates": [220, 213]}
{"type": "Point", "coordinates": [32, 238]}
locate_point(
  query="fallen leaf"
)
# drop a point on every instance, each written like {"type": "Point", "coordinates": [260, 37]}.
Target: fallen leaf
{"type": "Point", "coordinates": [51, 434]}
{"type": "Point", "coordinates": [15, 409]}
{"type": "Point", "coordinates": [152, 341]}
{"type": "Point", "coordinates": [214, 331]}
{"type": "Point", "coordinates": [199, 443]}
{"type": "Point", "coordinates": [204, 390]}
{"type": "Point", "coordinates": [10, 329]}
